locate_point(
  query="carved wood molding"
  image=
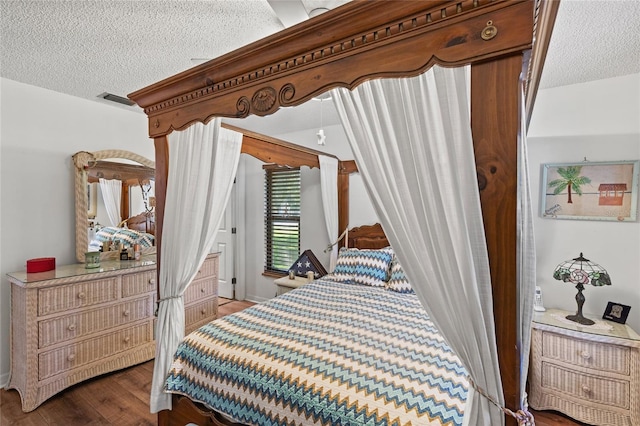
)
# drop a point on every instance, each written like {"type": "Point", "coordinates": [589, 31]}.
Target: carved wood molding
{"type": "Point", "coordinates": [443, 32]}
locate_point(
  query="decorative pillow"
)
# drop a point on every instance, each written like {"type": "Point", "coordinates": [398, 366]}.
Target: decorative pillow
{"type": "Point", "coordinates": [398, 280]}
{"type": "Point", "coordinates": [363, 266]}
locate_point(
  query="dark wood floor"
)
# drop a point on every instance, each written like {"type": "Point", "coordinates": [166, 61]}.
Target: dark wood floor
{"type": "Point", "coordinates": [122, 399]}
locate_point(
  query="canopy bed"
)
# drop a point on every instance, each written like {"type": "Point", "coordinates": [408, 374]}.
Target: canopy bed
{"type": "Point", "coordinates": [363, 41]}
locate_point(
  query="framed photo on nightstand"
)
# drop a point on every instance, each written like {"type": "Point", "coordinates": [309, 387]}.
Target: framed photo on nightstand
{"type": "Point", "coordinates": [616, 312]}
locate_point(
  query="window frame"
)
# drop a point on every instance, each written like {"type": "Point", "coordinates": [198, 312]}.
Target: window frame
{"type": "Point", "coordinates": [280, 255]}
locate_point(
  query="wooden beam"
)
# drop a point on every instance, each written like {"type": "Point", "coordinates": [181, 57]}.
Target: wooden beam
{"type": "Point", "coordinates": [124, 202]}
{"type": "Point", "coordinates": [161, 176]}
{"type": "Point", "coordinates": [345, 169]}
{"type": "Point", "coordinates": [121, 171]}
{"type": "Point", "coordinates": [495, 123]}
{"type": "Point", "coordinates": [275, 142]}
{"type": "Point", "coordinates": [277, 154]}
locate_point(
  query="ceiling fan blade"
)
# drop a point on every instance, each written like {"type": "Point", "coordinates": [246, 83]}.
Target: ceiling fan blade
{"type": "Point", "coordinates": [290, 12]}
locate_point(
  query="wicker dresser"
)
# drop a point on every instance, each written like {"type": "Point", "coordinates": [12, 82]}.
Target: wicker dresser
{"type": "Point", "coordinates": [201, 298]}
{"type": "Point", "coordinates": [72, 323]}
{"type": "Point", "coordinates": [591, 374]}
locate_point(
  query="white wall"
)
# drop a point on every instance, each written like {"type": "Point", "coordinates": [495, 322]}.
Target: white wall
{"type": "Point", "coordinates": [600, 121]}
{"type": "Point", "coordinates": [40, 131]}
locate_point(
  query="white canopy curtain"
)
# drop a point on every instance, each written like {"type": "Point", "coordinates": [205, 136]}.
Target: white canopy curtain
{"type": "Point", "coordinates": [111, 190]}
{"type": "Point", "coordinates": [329, 188]}
{"type": "Point", "coordinates": [526, 255]}
{"type": "Point", "coordinates": [411, 140]}
{"type": "Point", "coordinates": [203, 160]}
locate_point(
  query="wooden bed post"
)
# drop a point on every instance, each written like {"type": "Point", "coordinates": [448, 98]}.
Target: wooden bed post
{"type": "Point", "coordinates": [495, 123]}
{"type": "Point", "coordinates": [124, 208]}
{"type": "Point", "coordinates": [345, 168]}
{"type": "Point", "coordinates": [162, 175]}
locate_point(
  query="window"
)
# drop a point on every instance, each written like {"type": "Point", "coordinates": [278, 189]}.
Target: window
{"type": "Point", "coordinates": [282, 217]}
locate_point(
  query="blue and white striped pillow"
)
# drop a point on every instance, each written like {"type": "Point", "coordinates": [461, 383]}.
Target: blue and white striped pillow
{"type": "Point", "coordinates": [398, 280]}
{"type": "Point", "coordinates": [363, 266]}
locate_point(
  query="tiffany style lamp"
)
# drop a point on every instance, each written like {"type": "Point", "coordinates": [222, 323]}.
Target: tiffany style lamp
{"type": "Point", "coordinates": [581, 271]}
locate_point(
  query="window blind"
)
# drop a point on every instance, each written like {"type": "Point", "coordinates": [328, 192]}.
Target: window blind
{"type": "Point", "coordinates": [282, 217]}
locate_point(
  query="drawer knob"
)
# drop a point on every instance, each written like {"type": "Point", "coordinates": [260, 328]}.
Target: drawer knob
{"type": "Point", "coordinates": [152, 281]}
{"type": "Point", "coordinates": [203, 312]}
{"type": "Point", "coordinates": [126, 313]}
{"type": "Point", "coordinates": [586, 389]}
{"type": "Point", "coordinates": [71, 327]}
{"type": "Point", "coordinates": [126, 339]}
{"type": "Point", "coordinates": [202, 290]}
{"type": "Point", "coordinates": [81, 295]}
{"type": "Point", "coordinates": [585, 355]}
{"type": "Point", "coordinates": [71, 357]}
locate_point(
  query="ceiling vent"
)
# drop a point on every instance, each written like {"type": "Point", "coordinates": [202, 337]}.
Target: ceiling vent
{"type": "Point", "coordinates": [117, 99]}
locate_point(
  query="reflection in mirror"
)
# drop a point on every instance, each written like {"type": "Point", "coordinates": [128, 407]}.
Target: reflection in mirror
{"type": "Point", "coordinates": [115, 203]}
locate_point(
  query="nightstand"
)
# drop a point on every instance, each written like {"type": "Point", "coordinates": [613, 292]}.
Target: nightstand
{"type": "Point", "coordinates": [591, 373]}
{"type": "Point", "coordinates": [285, 284]}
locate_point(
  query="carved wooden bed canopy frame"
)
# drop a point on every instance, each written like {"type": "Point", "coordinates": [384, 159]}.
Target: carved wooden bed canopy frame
{"type": "Point", "coordinates": [371, 39]}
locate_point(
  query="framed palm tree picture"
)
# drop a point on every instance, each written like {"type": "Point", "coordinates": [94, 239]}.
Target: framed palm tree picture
{"type": "Point", "coordinates": [590, 191]}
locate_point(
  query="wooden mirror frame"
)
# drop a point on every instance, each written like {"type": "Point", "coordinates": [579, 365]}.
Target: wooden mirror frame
{"type": "Point", "coordinates": [83, 161]}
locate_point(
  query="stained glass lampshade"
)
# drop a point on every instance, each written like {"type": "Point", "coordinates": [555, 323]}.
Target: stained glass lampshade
{"type": "Point", "coordinates": [581, 271]}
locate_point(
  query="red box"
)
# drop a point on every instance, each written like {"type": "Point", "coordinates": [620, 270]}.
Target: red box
{"type": "Point", "coordinates": [41, 264]}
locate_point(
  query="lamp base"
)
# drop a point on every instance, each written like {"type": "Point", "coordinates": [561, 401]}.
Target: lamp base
{"type": "Point", "coordinates": [580, 319]}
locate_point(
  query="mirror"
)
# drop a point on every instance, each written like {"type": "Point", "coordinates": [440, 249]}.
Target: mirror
{"type": "Point", "coordinates": [137, 212]}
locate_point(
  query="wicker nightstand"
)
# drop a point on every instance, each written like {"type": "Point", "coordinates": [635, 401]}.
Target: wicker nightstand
{"type": "Point", "coordinates": [285, 284]}
{"type": "Point", "coordinates": [591, 373]}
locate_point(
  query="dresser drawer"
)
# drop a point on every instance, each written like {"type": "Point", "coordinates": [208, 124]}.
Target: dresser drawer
{"type": "Point", "coordinates": [594, 355]}
{"type": "Point", "coordinates": [60, 329]}
{"type": "Point", "coordinates": [201, 289]}
{"type": "Point", "coordinates": [202, 311]}
{"type": "Point", "coordinates": [71, 296]}
{"type": "Point", "coordinates": [209, 268]}
{"type": "Point", "coordinates": [78, 354]}
{"type": "Point", "coordinates": [586, 387]}
{"type": "Point", "coordinates": [133, 284]}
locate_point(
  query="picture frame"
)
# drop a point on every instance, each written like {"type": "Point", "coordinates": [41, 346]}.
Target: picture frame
{"type": "Point", "coordinates": [616, 312]}
{"type": "Point", "coordinates": [588, 190]}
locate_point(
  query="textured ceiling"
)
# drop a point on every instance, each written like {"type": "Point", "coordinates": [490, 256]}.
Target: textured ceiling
{"type": "Point", "coordinates": [84, 48]}
{"type": "Point", "coordinates": [593, 40]}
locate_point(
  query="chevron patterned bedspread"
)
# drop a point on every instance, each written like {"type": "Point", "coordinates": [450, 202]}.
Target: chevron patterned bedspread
{"type": "Point", "coordinates": [325, 354]}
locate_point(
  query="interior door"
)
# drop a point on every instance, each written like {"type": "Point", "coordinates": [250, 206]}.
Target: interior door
{"type": "Point", "coordinates": [225, 245]}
